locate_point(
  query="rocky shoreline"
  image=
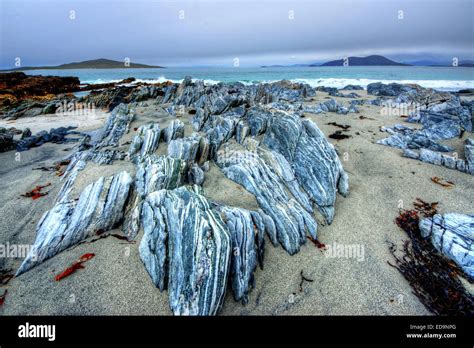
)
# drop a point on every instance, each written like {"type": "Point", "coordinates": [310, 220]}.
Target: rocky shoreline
{"type": "Point", "coordinates": [258, 137]}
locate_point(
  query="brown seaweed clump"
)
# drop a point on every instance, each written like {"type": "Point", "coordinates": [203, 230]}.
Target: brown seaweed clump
{"type": "Point", "coordinates": [433, 278]}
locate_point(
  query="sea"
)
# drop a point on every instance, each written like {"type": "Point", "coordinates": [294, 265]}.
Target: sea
{"type": "Point", "coordinates": [440, 78]}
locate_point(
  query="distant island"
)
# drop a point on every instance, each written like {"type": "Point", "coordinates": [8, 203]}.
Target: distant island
{"type": "Point", "coordinates": [377, 60]}
{"type": "Point", "coordinates": [101, 63]}
{"type": "Point", "coordinates": [373, 60]}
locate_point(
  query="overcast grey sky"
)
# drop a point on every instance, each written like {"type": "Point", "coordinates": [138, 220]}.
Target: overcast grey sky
{"type": "Point", "coordinates": [213, 32]}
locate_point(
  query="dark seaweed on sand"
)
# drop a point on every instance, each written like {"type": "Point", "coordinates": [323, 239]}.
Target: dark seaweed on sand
{"type": "Point", "coordinates": [433, 277]}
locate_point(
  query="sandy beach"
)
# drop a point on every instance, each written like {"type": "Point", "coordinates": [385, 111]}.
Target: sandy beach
{"type": "Point", "coordinates": [115, 282]}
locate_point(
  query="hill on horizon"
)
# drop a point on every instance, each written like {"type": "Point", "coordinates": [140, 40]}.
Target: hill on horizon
{"type": "Point", "coordinates": [373, 60]}
{"type": "Point", "coordinates": [100, 63]}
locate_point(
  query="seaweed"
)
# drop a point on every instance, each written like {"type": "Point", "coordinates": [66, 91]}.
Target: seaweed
{"type": "Point", "coordinates": [442, 182]}
{"type": "Point", "coordinates": [338, 135]}
{"type": "Point", "coordinates": [36, 192]}
{"type": "Point", "coordinates": [343, 126]}
{"type": "Point", "coordinates": [433, 277]}
{"type": "Point", "coordinates": [304, 279]}
{"type": "Point", "coordinates": [5, 276]}
{"type": "Point", "coordinates": [74, 267]}
{"type": "Point", "coordinates": [2, 297]}
{"type": "Point", "coordinates": [317, 243]}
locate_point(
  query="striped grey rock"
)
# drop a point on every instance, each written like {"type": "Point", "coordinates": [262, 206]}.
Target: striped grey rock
{"type": "Point", "coordinates": [222, 130]}
{"type": "Point", "coordinates": [117, 125]}
{"type": "Point", "coordinates": [194, 148]}
{"type": "Point", "coordinates": [291, 220]}
{"type": "Point", "coordinates": [242, 130]}
{"type": "Point", "coordinates": [200, 119]}
{"type": "Point", "coordinates": [153, 174]}
{"type": "Point", "coordinates": [246, 237]}
{"type": "Point", "coordinates": [184, 148]}
{"type": "Point", "coordinates": [439, 159]}
{"type": "Point", "coordinates": [314, 160]}
{"type": "Point", "coordinates": [404, 137]}
{"type": "Point", "coordinates": [187, 247]}
{"type": "Point", "coordinates": [99, 207]}
{"type": "Point", "coordinates": [258, 119]}
{"type": "Point", "coordinates": [453, 235]}
{"type": "Point", "coordinates": [156, 173]}
{"type": "Point", "coordinates": [174, 130]}
{"type": "Point", "coordinates": [196, 175]}
{"type": "Point", "coordinates": [283, 169]}
{"type": "Point", "coordinates": [146, 141]}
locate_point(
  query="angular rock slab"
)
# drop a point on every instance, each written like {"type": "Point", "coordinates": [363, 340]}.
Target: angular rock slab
{"type": "Point", "coordinates": [146, 141]}
{"type": "Point", "coordinates": [117, 125]}
{"type": "Point", "coordinates": [154, 173]}
{"type": "Point", "coordinates": [316, 166]}
{"type": "Point", "coordinates": [247, 233]}
{"type": "Point", "coordinates": [100, 207]}
{"type": "Point", "coordinates": [292, 221]}
{"type": "Point", "coordinates": [453, 235]}
{"type": "Point", "coordinates": [186, 245]}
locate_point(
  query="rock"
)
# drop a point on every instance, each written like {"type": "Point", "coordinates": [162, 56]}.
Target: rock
{"type": "Point", "coordinates": [55, 135]}
{"type": "Point", "coordinates": [147, 140]}
{"type": "Point", "coordinates": [196, 175]}
{"type": "Point", "coordinates": [291, 220]}
{"type": "Point", "coordinates": [187, 246]}
{"type": "Point", "coordinates": [7, 142]}
{"type": "Point", "coordinates": [353, 88]}
{"type": "Point", "coordinates": [452, 234]}
{"type": "Point", "coordinates": [24, 86]}
{"type": "Point", "coordinates": [174, 130]}
{"type": "Point", "coordinates": [117, 125]}
{"type": "Point", "coordinates": [246, 237]}
{"type": "Point", "coordinates": [156, 173]}
{"type": "Point", "coordinates": [26, 133]}
{"type": "Point", "coordinates": [439, 159]}
{"type": "Point", "coordinates": [314, 160]}
{"type": "Point", "coordinates": [99, 208]}
{"type": "Point", "coordinates": [389, 90]}
{"type": "Point", "coordinates": [409, 138]}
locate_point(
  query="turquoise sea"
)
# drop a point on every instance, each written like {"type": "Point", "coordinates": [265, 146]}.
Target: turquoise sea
{"type": "Point", "coordinates": [443, 78]}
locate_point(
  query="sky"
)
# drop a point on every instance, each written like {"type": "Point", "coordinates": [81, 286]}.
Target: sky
{"type": "Point", "coordinates": [215, 32]}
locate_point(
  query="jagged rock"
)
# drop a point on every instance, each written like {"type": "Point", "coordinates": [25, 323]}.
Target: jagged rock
{"type": "Point", "coordinates": [196, 174]}
{"type": "Point", "coordinates": [174, 130]}
{"type": "Point", "coordinates": [403, 137]}
{"type": "Point", "coordinates": [146, 141]}
{"type": "Point", "coordinates": [247, 244]}
{"type": "Point", "coordinates": [187, 246]}
{"type": "Point", "coordinates": [99, 208]}
{"type": "Point", "coordinates": [55, 135]}
{"type": "Point", "coordinates": [453, 235]}
{"type": "Point", "coordinates": [221, 131]}
{"type": "Point", "coordinates": [314, 160]}
{"type": "Point", "coordinates": [291, 220]}
{"type": "Point", "coordinates": [24, 86]}
{"type": "Point", "coordinates": [329, 106]}
{"type": "Point", "coordinates": [7, 142]}
{"type": "Point", "coordinates": [439, 159]}
{"type": "Point", "coordinates": [389, 90]}
{"type": "Point", "coordinates": [194, 148]}
{"type": "Point", "coordinates": [117, 125]}
{"type": "Point", "coordinates": [155, 173]}
{"type": "Point", "coordinates": [352, 88]}
{"type": "Point", "coordinates": [200, 119]}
